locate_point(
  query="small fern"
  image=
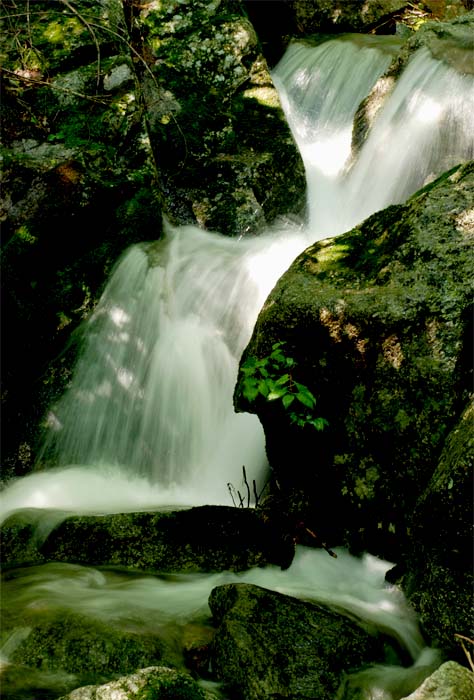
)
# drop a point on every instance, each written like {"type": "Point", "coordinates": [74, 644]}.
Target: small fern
{"type": "Point", "coordinates": [272, 379]}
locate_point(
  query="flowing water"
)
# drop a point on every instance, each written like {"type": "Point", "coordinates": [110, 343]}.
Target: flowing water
{"type": "Point", "coordinates": [148, 420]}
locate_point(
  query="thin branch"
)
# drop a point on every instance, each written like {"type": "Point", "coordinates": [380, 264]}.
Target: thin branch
{"type": "Point", "coordinates": [91, 32]}
{"type": "Point", "coordinates": [93, 98]}
{"type": "Point", "coordinates": [463, 639]}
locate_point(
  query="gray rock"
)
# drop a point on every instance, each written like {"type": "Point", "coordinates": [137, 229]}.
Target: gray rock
{"type": "Point", "coordinates": [449, 682]}
{"type": "Point", "coordinates": [154, 681]}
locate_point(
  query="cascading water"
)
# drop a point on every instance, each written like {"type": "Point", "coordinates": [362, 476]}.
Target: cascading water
{"type": "Point", "coordinates": [148, 419]}
{"type": "Point", "coordinates": [151, 397]}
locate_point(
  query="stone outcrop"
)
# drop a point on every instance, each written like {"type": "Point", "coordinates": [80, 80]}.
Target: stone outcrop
{"type": "Point", "coordinates": [347, 15]}
{"type": "Point", "coordinates": [226, 157]}
{"type": "Point", "coordinates": [438, 579]}
{"type": "Point", "coordinates": [378, 321]}
{"type": "Point", "coordinates": [205, 538]}
{"type": "Point", "coordinates": [450, 42]}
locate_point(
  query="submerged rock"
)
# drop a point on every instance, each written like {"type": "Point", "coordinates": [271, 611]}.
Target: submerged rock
{"type": "Point", "coordinates": [270, 645]}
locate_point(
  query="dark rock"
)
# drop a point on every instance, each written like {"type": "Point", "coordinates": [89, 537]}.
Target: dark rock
{"type": "Point", "coordinates": [378, 322]}
{"type": "Point", "coordinates": [269, 645]}
{"type": "Point", "coordinates": [207, 538]}
{"type": "Point", "coordinates": [439, 580]}
{"type": "Point", "coordinates": [226, 156]}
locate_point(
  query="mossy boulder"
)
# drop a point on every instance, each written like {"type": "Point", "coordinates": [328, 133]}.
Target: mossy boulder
{"type": "Point", "coordinates": [270, 645]}
{"type": "Point", "coordinates": [449, 682]}
{"type": "Point", "coordinates": [436, 572]}
{"type": "Point", "coordinates": [150, 683]}
{"type": "Point", "coordinates": [378, 321]}
{"type": "Point", "coordinates": [205, 538]}
{"type": "Point", "coordinates": [227, 158]}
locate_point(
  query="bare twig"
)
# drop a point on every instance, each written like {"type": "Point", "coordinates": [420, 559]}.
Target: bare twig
{"type": "Point", "coordinates": [461, 638]}
{"type": "Point", "coordinates": [323, 544]}
{"type": "Point", "coordinates": [91, 32]}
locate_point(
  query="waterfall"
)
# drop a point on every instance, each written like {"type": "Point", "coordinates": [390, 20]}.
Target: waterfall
{"type": "Point", "coordinates": [150, 401]}
{"type": "Point", "coordinates": [148, 419]}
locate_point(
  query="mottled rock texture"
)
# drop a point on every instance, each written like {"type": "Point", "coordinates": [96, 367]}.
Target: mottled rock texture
{"type": "Point", "coordinates": [379, 323]}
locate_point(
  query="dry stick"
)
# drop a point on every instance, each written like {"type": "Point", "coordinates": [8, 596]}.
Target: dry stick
{"type": "Point", "coordinates": [247, 485]}
{"type": "Point", "coordinates": [254, 487]}
{"type": "Point", "coordinates": [462, 639]}
{"type": "Point", "coordinates": [231, 489]}
{"type": "Point", "coordinates": [92, 98]}
{"type": "Point", "coordinates": [92, 33]}
{"type": "Point", "coordinates": [323, 544]}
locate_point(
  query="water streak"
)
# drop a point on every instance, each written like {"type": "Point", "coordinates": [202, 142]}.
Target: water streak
{"type": "Point", "coordinates": [151, 396]}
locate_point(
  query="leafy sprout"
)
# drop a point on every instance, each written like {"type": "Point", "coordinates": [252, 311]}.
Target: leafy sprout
{"type": "Point", "coordinates": [272, 378]}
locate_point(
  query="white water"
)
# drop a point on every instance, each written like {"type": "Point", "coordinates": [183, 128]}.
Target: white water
{"type": "Point", "coordinates": [149, 419]}
{"type": "Point", "coordinates": [151, 603]}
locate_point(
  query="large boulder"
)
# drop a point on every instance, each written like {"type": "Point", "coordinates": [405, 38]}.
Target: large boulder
{"type": "Point", "coordinates": [378, 323]}
{"type": "Point", "coordinates": [437, 572]}
{"type": "Point", "coordinates": [205, 538]}
{"type": "Point", "coordinates": [269, 645]}
{"type": "Point", "coordinates": [226, 156]}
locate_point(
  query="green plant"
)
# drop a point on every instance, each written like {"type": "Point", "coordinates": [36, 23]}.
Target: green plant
{"type": "Point", "coordinates": [272, 378]}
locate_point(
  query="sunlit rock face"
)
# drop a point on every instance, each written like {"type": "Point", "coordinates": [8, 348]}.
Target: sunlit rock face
{"type": "Point", "coordinates": [226, 156]}
{"type": "Point", "coordinates": [377, 321]}
{"type": "Point", "coordinates": [447, 42]}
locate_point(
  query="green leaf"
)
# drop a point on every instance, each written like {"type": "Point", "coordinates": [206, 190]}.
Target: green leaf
{"type": "Point", "coordinates": [282, 380]}
{"type": "Point", "coordinates": [307, 399]}
{"type": "Point", "coordinates": [276, 394]}
{"type": "Point", "coordinates": [319, 423]}
{"type": "Point", "coordinates": [250, 390]}
{"type": "Point", "coordinates": [263, 387]}
{"type": "Point", "coordinates": [288, 400]}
